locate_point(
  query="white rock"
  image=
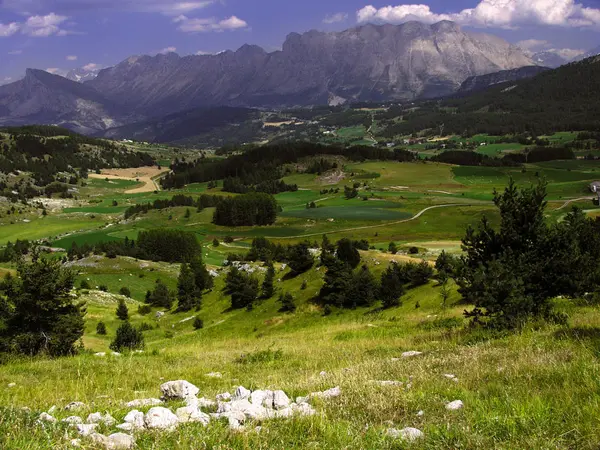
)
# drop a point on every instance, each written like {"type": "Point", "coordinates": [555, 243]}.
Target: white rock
{"type": "Point", "coordinates": [86, 429]}
{"type": "Point", "coordinates": [120, 441]}
{"type": "Point", "coordinates": [135, 418]}
{"type": "Point", "coordinates": [411, 354]}
{"type": "Point", "coordinates": [52, 409]}
{"type": "Point", "coordinates": [388, 383]}
{"type": "Point", "coordinates": [204, 403]}
{"type": "Point", "coordinates": [280, 400]}
{"type": "Point", "coordinates": [408, 434]}
{"type": "Point", "coordinates": [45, 417]}
{"type": "Point", "coordinates": [214, 375]}
{"type": "Point", "coordinates": [323, 373]}
{"type": "Point", "coordinates": [126, 427]}
{"type": "Point", "coordinates": [73, 420]}
{"type": "Point", "coordinates": [303, 409]}
{"type": "Point", "coordinates": [225, 396]}
{"type": "Point", "coordinates": [420, 413]}
{"type": "Point", "coordinates": [73, 406]}
{"type": "Point", "coordinates": [178, 390]}
{"type": "Point", "coordinates": [97, 417]}
{"type": "Point", "coordinates": [75, 442]}
{"type": "Point", "coordinates": [159, 314]}
{"type": "Point", "coordinates": [12, 385]}
{"type": "Point", "coordinates": [99, 439]}
{"type": "Point", "coordinates": [260, 397]}
{"type": "Point", "coordinates": [329, 393]}
{"type": "Point", "coordinates": [160, 418]}
{"type": "Point", "coordinates": [100, 354]}
{"type": "Point", "coordinates": [455, 405]}
{"type": "Point", "coordinates": [191, 414]}
{"type": "Point", "coordinates": [115, 354]}
{"type": "Point", "coordinates": [241, 393]}
{"type": "Point", "coordinates": [140, 403]}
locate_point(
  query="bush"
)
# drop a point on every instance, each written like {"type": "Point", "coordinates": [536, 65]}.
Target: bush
{"type": "Point", "coordinates": [103, 288]}
{"type": "Point", "coordinates": [85, 285]}
{"type": "Point", "coordinates": [125, 291]}
{"type": "Point", "coordinates": [228, 239]}
{"type": "Point", "coordinates": [101, 329]}
{"type": "Point", "coordinates": [287, 303]}
{"type": "Point", "coordinates": [327, 310]}
{"type": "Point", "coordinates": [127, 338]}
{"type": "Point", "coordinates": [413, 251]}
{"type": "Point", "coordinates": [122, 310]}
{"type": "Point", "coordinates": [215, 242]}
{"type": "Point", "coordinates": [144, 310]}
{"type": "Point", "coordinates": [198, 323]}
{"type": "Point", "coordinates": [145, 327]}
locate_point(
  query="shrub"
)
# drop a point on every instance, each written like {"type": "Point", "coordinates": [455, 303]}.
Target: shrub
{"type": "Point", "coordinates": [327, 310]}
{"type": "Point", "coordinates": [215, 242]}
{"type": "Point", "coordinates": [85, 285]}
{"type": "Point", "coordinates": [413, 250]}
{"type": "Point", "coordinates": [101, 329]}
{"type": "Point", "coordinates": [393, 248]}
{"type": "Point", "coordinates": [261, 356]}
{"type": "Point", "coordinates": [287, 303]}
{"type": "Point", "coordinates": [228, 239]}
{"type": "Point", "coordinates": [127, 338]}
{"type": "Point", "coordinates": [125, 291]}
{"type": "Point", "coordinates": [144, 310]}
{"type": "Point", "coordinates": [144, 326]}
{"type": "Point", "coordinates": [103, 288]}
{"type": "Point", "coordinates": [122, 310]}
{"type": "Point", "coordinates": [198, 323]}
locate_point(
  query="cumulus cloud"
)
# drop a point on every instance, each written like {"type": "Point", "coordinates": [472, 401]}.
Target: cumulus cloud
{"type": "Point", "coordinates": [167, 7]}
{"type": "Point", "coordinates": [71, 58]}
{"type": "Point", "coordinates": [492, 13]}
{"type": "Point", "coordinates": [166, 50]}
{"type": "Point", "coordinates": [91, 66]}
{"type": "Point", "coordinates": [55, 71]}
{"type": "Point", "coordinates": [43, 26]}
{"type": "Point", "coordinates": [335, 18]}
{"type": "Point", "coordinates": [188, 25]}
{"type": "Point", "coordinates": [533, 45]}
{"type": "Point", "coordinates": [9, 29]}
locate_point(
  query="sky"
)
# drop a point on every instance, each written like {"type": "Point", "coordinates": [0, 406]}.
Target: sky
{"type": "Point", "coordinates": [59, 35]}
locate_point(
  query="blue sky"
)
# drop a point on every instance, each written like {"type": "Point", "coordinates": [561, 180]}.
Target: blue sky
{"type": "Point", "coordinates": [65, 34]}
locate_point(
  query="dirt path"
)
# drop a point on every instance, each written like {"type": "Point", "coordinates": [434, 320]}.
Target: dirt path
{"type": "Point", "coordinates": [368, 227]}
{"type": "Point", "coordinates": [145, 175]}
{"type": "Point", "coordinates": [568, 202]}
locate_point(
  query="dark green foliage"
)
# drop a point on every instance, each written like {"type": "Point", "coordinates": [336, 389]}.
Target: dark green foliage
{"type": "Point", "coordinates": [446, 265]}
{"type": "Point", "coordinates": [393, 248]}
{"type": "Point", "coordinates": [101, 329]}
{"type": "Point", "coordinates": [84, 285]}
{"type": "Point", "coordinates": [347, 252]}
{"type": "Point", "coordinates": [188, 213]}
{"type": "Point", "coordinates": [242, 287]}
{"type": "Point", "coordinates": [127, 338]}
{"type": "Point", "coordinates": [249, 184]}
{"type": "Point", "coordinates": [215, 242]}
{"type": "Point", "coordinates": [228, 239]}
{"type": "Point", "coordinates": [103, 288]}
{"type": "Point", "coordinates": [122, 310]}
{"type": "Point", "coordinates": [165, 244]}
{"type": "Point", "coordinates": [326, 245]}
{"type": "Point", "coordinates": [144, 310]}
{"type": "Point", "coordinates": [363, 289]}
{"type": "Point", "coordinates": [160, 297]}
{"type": "Point", "coordinates": [299, 258]}
{"type": "Point", "coordinates": [287, 303]}
{"type": "Point", "coordinates": [246, 210]}
{"type": "Point", "coordinates": [420, 274]}
{"type": "Point", "coordinates": [188, 294]}
{"type": "Point", "coordinates": [37, 313]}
{"type": "Point", "coordinates": [338, 279]}
{"type": "Point", "coordinates": [198, 323]}
{"type": "Point", "coordinates": [413, 250]}
{"type": "Point", "coordinates": [268, 290]}
{"type": "Point", "coordinates": [350, 192]}
{"type": "Point", "coordinates": [202, 278]}
{"type": "Point", "coordinates": [125, 291]}
{"type": "Point", "coordinates": [391, 287]}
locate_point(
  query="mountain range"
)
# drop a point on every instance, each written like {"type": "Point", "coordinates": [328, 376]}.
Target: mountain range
{"type": "Point", "coordinates": [367, 63]}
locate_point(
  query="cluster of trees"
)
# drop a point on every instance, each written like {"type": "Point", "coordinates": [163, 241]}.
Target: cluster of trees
{"type": "Point", "coordinates": [12, 252]}
{"type": "Point", "coordinates": [204, 201]}
{"type": "Point", "coordinates": [255, 208]}
{"type": "Point", "coordinates": [237, 185]}
{"type": "Point", "coordinates": [265, 163]}
{"type": "Point", "coordinates": [193, 280]}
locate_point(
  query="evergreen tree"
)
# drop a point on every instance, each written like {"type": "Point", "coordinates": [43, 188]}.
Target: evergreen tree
{"type": "Point", "coordinates": [347, 252]}
{"type": "Point", "coordinates": [287, 302]}
{"type": "Point", "coordinates": [393, 248]}
{"type": "Point", "coordinates": [101, 328]}
{"type": "Point", "coordinates": [125, 291]}
{"type": "Point", "coordinates": [363, 289]}
{"type": "Point", "coordinates": [198, 323]}
{"type": "Point", "coordinates": [267, 287]}
{"type": "Point", "coordinates": [188, 213]}
{"type": "Point", "coordinates": [391, 287]}
{"type": "Point", "coordinates": [188, 294]}
{"type": "Point", "coordinates": [122, 310]}
{"type": "Point", "coordinates": [161, 297]}
{"type": "Point", "coordinates": [127, 338]}
{"type": "Point", "coordinates": [337, 282]}
{"type": "Point", "coordinates": [300, 259]}
{"type": "Point", "coordinates": [37, 313]}
{"type": "Point", "coordinates": [202, 278]}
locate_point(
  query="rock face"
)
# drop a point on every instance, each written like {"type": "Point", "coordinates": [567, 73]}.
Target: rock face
{"type": "Point", "coordinates": [480, 82]}
{"type": "Point", "coordinates": [370, 62]}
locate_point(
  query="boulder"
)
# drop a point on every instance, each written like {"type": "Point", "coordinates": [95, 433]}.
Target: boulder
{"type": "Point", "coordinates": [75, 442]}
{"type": "Point", "coordinates": [73, 420]}
{"type": "Point", "coordinates": [97, 417]}
{"type": "Point", "coordinates": [119, 441]}
{"type": "Point", "coordinates": [201, 402]}
{"type": "Point", "coordinates": [160, 418]}
{"type": "Point", "coordinates": [455, 405]}
{"type": "Point", "coordinates": [241, 393]}
{"type": "Point", "coordinates": [126, 427]}
{"type": "Point", "coordinates": [225, 396]}
{"type": "Point", "coordinates": [191, 414]}
{"type": "Point", "coordinates": [74, 406]}
{"type": "Point", "coordinates": [140, 403]}
{"type": "Point", "coordinates": [408, 434]}
{"type": "Point", "coordinates": [86, 429]}
{"type": "Point", "coordinates": [280, 400]}
{"type": "Point", "coordinates": [45, 417]}
{"type": "Point", "coordinates": [264, 398]}
{"type": "Point", "coordinates": [135, 418]}
{"type": "Point", "coordinates": [178, 390]}
{"type": "Point", "coordinates": [99, 439]}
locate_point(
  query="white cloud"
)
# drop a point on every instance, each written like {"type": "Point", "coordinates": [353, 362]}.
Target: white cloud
{"type": "Point", "coordinates": [533, 45]}
{"type": "Point", "coordinates": [164, 51]}
{"type": "Point", "coordinates": [9, 29]}
{"type": "Point", "coordinates": [492, 13]}
{"type": "Point", "coordinates": [53, 70]}
{"type": "Point", "coordinates": [71, 58]}
{"type": "Point", "coordinates": [567, 53]}
{"type": "Point", "coordinates": [335, 18]}
{"type": "Point", "coordinates": [15, 52]}
{"type": "Point", "coordinates": [91, 66]}
{"type": "Point", "coordinates": [43, 26]}
{"type": "Point", "coordinates": [188, 25]}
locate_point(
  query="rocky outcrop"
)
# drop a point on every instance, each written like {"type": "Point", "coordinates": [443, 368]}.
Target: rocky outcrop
{"type": "Point", "coordinates": [481, 82]}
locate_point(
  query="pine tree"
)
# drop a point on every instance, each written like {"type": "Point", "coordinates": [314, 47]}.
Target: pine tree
{"type": "Point", "coordinates": [161, 297]}
{"type": "Point", "coordinates": [299, 258]}
{"type": "Point", "coordinates": [201, 276]}
{"type": "Point", "coordinates": [267, 287]}
{"type": "Point", "coordinates": [391, 287]}
{"type": "Point", "coordinates": [347, 252]}
{"type": "Point", "coordinates": [127, 338]}
{"type": "Point", "coordinates": [287, 303]}
{"type": "Point", "coordinates": [101, 328]}
{"type": "Point", "coordinates": [393, 248]}
{"type": "Point", "coordinates": [122, 310]}
{"type": "Point", "coordinates": [198, 323]}
{"type": "Point", "coordinates": [188, 294]}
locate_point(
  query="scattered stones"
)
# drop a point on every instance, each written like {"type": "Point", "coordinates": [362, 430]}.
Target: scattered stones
{"type": "Point", "coordinates": [241, 393]}
{"type": "Point", "coordinates": [119, 441]}
{"type": "Point", "coordinates": [224, 397]}
{"type": "Point", "coordinates": [135, 418]}
{"type": "Point", "coordinates": [115, 354]}
{"type": "Point", "coordinates": [140, 403]}
{"type": "Point", "coordinates": [86, 429]}
{"type": "Point", "coordinates": [408, 434]}
{"type": "Point", "coordinates": [45, 417]}
{"type": "Point", "coordinates": [191, 414]}
{"type": "Point", "coordinates": [126, 427]}
{"type": "Point", "coordinates": [73, 420]}
{"type": "Point", "coordinates": [160, 418]}
{"type": "Point", "coordinates": [75, 442]}
{"type": "Point", "coordinates": [178, 390]}
{"type": "Point", "coordinates": [202, 403]}
{"type": "Point", "coordinates": [214, 375]}
{"type": "Point", "coordinates": [411, 354]}
{"type": "Point", "coordinates": [97, 417]}
{"type": "Point", "coordinates": [455, 405]}
{"type": "Point", "coordinates": [74, 406]}
{"type": "Point", "coordinates": [325, 395]}
{"type": "Point", "coordinates": [280, 400]}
